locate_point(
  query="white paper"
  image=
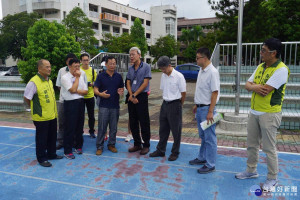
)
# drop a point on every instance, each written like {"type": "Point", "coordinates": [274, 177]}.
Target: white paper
{"type": "Point", "coordinates": [217, 117]}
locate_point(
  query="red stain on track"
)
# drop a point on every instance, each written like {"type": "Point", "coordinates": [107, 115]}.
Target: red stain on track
{"type": "Point", "coordinates": [85, 166]}
{"type": "Point", "coordinates": [123, 169]}
{"type": "Point", "coordinates": [99, 178]}
{"type": "Point", "coordinates": [233, 152]}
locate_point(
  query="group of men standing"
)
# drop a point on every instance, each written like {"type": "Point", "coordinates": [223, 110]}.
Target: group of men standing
{"type": "Point", "coordinates": [78, 87]}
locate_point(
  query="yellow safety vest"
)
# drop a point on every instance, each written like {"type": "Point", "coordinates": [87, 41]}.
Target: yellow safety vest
{"type": "Point", "coordinates": [43, 103]}
{"type": "Point", "coordinates": [273, 101]}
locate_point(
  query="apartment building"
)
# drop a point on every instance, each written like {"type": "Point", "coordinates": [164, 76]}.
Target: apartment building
{"type": "Point", "coordinates": [107, 16]}
{"type": "Point", "coordinates": [205, 23]}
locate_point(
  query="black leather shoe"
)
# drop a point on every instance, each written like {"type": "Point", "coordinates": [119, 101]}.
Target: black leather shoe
{"type": "Point", "coordinates": [144, 150]}
{"type": "Point", "coordinates": [56, 158]}
{"type": "Point", "coordinates": [45, 164]}
{"type": "Point", "coordinates": [156, 154]}
{"type": "Point", "coordinates": [173, 157]}
{"type": "Point", "coordinates": [134, 149]}
{"type": "Point", "coordinates": [206, 170]}
{"type": "Point", "coordinates": [197, 162]}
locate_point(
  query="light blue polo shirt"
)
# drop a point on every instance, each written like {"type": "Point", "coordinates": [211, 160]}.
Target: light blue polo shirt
{"type": "Point", "coordinates": [137, 77]}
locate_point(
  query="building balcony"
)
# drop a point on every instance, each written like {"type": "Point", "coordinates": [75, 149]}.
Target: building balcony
{"type": "Point", "coordinates": [41, 5]}
{"type": "Point", "coordinates": [149, 40]}
{"type": "Point", "coordinates": [148, 28]}
{"type": "Point", "coordinates": [112, 18]}
{"type": "Point", "coordinates": [94, 14]}
{"type": "Point", "coordinates": [116, 34]}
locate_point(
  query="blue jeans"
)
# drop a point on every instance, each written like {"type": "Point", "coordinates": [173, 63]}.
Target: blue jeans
{"type": "Point", "coordinates": [107, 116]}
{"type": "Point", "coordinates": [208, 149]}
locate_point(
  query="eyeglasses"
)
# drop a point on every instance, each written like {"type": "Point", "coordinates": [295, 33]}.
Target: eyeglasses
{"type": "Point", "coordinates": [197, 58]}
{"type": "Point", "coordinates": [264, 51]}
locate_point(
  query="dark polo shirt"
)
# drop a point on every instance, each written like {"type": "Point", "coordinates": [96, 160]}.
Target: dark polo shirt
{"type": "Point", "coordinates": [111, 84]}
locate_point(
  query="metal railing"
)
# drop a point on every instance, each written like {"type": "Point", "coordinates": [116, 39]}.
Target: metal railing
{"type": "Point", "coordinates": [123, 61]}
{"type": "Point", "coordinates": [225, 54]}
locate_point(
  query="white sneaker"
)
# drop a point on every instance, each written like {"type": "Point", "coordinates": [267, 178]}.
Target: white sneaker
{"type": "Point", "coordinates": [128, 138]}
{"type": "Point", "coordinates": [246, 175]}
{"type": "Point", "coordinates": [269, 185]}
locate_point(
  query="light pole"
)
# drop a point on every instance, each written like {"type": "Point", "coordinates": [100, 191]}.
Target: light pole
{"type": "Point", "coordinates": [239, 57]}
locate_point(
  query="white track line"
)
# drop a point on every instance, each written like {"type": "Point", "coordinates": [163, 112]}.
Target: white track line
{"type": "Point", "coordinates": [77, 185]}
{"type": "Point", "coordinates": [15, 151]}
{"type": "Point", "coordinates": [194, 144]}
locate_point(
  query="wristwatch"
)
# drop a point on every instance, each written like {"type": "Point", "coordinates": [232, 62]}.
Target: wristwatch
{"type": "Point", "coordinates": [133, 96]}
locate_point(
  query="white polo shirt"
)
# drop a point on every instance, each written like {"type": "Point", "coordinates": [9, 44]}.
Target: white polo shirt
{"type": "Point", "coordinates": [172, 85]}
{"type": "Point", "coordinates": [208, 81]}
{"type": "Point", "coordinates": [67, 81]}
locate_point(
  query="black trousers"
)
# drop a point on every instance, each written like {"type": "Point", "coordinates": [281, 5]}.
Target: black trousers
{"type": "Point", "coordinates": [139, 115]}
{"type": "Point", "coordinates": [90, 106]}
{"type": "Point", "coordinates": [170, 118]}
{"type": "Point", "coordinates": [74, 121]}
{"type": "Point", "coordinates": [45, 139]}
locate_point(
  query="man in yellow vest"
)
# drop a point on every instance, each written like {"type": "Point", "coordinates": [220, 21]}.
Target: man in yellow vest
{"type": "Point", "coordinates": [89, 99]}
{"type": "Point", "coordinates": [39, 94]}
{"type": "Point", "coordinates": [267, 85]}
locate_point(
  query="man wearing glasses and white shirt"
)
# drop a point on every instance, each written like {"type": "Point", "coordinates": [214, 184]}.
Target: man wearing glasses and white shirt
{"type": "Point", "coordinates": [267, 85]}
{"type": "Point", "coordinates": [73, 89]}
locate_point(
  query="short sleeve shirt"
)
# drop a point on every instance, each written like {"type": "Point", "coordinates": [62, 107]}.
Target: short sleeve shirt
{"type": "Point", "coordinates": [208, 81]}
{"type": "Point", "coordinates": [277, 79]}
{"type": "Point", "coordinates": [111, 84]}
{"type": "Point", "coordinates": [172, 85]}
{"type": "Point", "coordinates": [137, 77]}
{"type": "Point", "coordinates": [67, 81]}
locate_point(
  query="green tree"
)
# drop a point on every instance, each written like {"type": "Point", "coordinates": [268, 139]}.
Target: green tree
{"type": "Point", "coordinates": [46, 40]}
{"type": "Point", "coordinates": [190, 52]}
{"type": "Point", "coordinates": [137, 33]}
{"type": "Point", "coordinates": [261, 19]}
{"type": "Point", "coordinates": [165, 46]}
{"type": "Point", "coordinates": [191, 35]}
{"type": "Point", "coordinates": [79, 25]}
{"type": "Point", "coordinates": [120, 44]}
{"type": "Point", "coordinates": [283, 19]}
{"type": "Point", "coordinates": [13, 33]}
{"type": "Point", "coordinates": [227, 12]}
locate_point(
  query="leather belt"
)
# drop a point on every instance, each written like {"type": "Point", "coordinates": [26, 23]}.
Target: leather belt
{"type": "Point", "coordinates": [169, 102]}
{"type": "Point", "coordinates": [202, 105]}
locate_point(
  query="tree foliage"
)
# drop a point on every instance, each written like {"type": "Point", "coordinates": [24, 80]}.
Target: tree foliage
{"type": "Point", "coordinates": [165, 46]}
{"type": "Point", "coordinates": [191, 35]}
{"type": "Point", "coordinates": [80, 26]}
{"type": "Point", "coordinates": [208, 40]}
{"type": "Point", "coordinates": [50, 41]}
{"type": "Point", "coordinates": [137, 33]}
{"type": "Point", "coordinates": [261, 19]}
{"type": "Point", "coordinates": [115, 44]}
{"type": "Point", "coordinates": [13, 33]}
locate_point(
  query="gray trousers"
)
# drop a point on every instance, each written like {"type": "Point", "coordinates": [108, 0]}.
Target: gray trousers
{"type": "Point", "coordinates": [170, 119]}
{"type": "Point", "coordinates": [107, 116]}
{"type": "Point", "coordinates": [263, 128]}
{"type": "Point", "coordinates": [61, 118]}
